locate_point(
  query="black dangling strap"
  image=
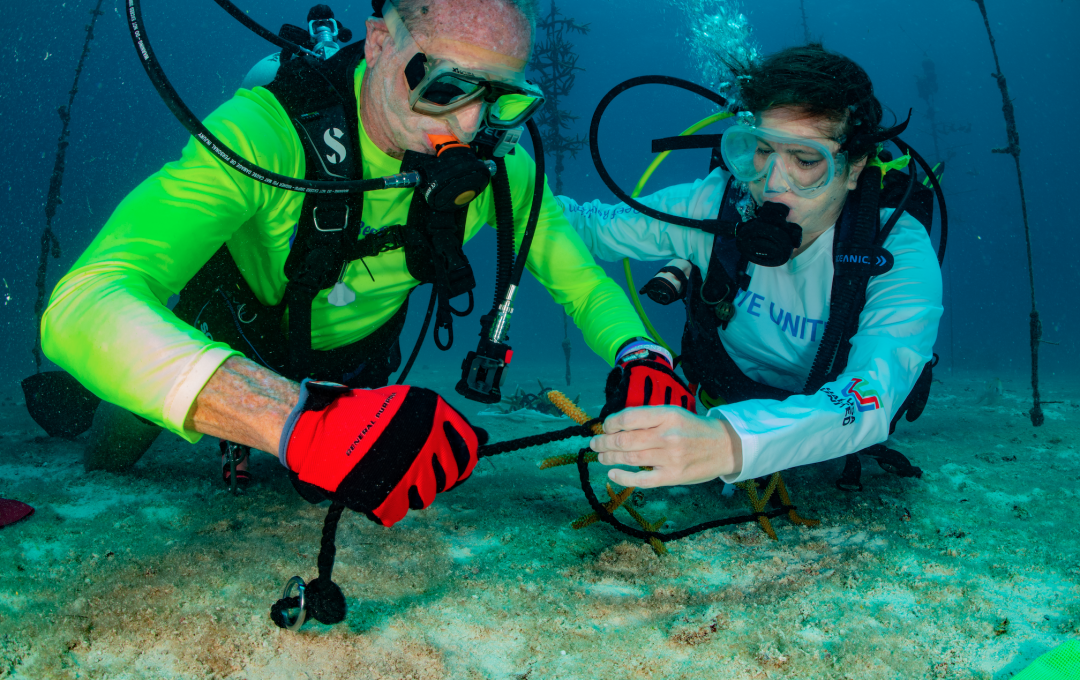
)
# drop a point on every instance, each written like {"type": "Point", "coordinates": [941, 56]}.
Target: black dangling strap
{"type": "Point", "coordinates": [848, 291]}
{"type": "Point", "coordinates": [322, 598]}
{"type": "Point", "coordinates": [849, 478]}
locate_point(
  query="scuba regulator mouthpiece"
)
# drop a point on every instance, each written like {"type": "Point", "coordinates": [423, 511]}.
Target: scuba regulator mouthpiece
{"type": "Point", "coordinates": [458, 177]}
{"type": "Point", "coordinates": [451, 182]}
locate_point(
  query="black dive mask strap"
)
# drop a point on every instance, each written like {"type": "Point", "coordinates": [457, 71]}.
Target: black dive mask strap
{"type": "Point", "coordinates": [879, 136]}
{"type": "Point", "coordinates": [712, 226]}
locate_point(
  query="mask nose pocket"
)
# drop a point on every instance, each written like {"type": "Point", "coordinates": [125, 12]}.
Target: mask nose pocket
{"type": "Point", "coordinates": [775, 181]}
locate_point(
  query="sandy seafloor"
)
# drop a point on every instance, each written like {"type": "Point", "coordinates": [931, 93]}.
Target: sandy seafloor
{"type": "Point", "coordinates": [161, 573]}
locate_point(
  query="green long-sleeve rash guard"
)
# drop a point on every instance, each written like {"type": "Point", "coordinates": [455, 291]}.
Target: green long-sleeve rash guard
{"type": "Point", "coordinates": [107, 322]}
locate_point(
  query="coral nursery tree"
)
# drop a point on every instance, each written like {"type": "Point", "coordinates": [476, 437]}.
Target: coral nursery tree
{"type": "Point", "coordinates": [555, 63]}
{"type": "Point", "coordinates": [927, 86]}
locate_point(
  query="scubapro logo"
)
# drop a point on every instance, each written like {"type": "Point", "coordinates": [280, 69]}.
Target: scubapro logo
{"type": "Point", "coordinates": [330, 138]}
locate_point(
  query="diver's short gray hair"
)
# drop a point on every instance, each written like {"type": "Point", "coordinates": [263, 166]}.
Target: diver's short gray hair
{"type": "Point", "coordinates": [412, 11]}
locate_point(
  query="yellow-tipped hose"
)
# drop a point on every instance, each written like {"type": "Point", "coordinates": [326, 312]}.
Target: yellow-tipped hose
{"type": "Point", "coordinates": [634, 298]}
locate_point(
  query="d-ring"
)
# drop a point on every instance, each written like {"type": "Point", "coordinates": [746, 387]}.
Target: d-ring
{"type": "Point", "coordinates": [302, 615]}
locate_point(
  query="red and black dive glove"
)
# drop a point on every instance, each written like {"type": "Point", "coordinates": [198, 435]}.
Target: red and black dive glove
{"type": "Point", "coordinates": [644, 376]}
{"type": "Point", "coordinates": [380, 452]}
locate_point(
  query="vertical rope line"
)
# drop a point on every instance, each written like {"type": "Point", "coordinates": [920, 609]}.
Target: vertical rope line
{"type": "Point", "coordinates": [328, 549]}
{"type": "Point", "coordinates": [805, 25]}
{"type": "Point", "coordinates": [566, 345]}
{"type": "Point", "coordinates": [50, 244]}
{"type": "Point", "coordinates": [1013, 149]}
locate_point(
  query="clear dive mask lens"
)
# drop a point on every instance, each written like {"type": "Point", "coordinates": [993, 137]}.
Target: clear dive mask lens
{"type": "Point", "coordinates": [806, 167]}
{"type": "Point", "coordinates": [446, 87]}
{"type": "Point", "coordinates": [440, 86]}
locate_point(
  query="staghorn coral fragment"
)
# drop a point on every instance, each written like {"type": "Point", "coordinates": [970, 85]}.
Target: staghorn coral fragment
{"type": "Point", "coordinates": [774, 485]}
{"type": "Point", "coordinates": [657, 545]}
{"type": "Point", "coordinates": [572, 410]}
{"type": "Point", "coordinates": [781, 489]}
{"type": "Point", "coordinates": [585, 520]}
{"type": "Point", "coordinates": [617, 499]}
{"type": "Point", "coordinates": [759, 506]}
{"type": "Point", "coordinates": [566, 459]}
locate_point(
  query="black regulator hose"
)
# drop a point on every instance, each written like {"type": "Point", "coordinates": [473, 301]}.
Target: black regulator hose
{"type": "Point", "coordinates": [259, 30]}
{"type": "Point", "coordinates": [193, 125]}
{"type": "Point", "coordinates": [539, 182]}
{"type": "Point", "coordinates": [494, 325]}
{"type": "Point", "coordinates": [944, 239]}
{"type": "Point", "coordinates": [712, 226]}
{"type": "Point", "coordinates": [504, 230]}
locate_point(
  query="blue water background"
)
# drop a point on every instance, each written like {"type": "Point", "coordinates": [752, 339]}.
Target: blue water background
{"type": "Point", "coordinates": [122, 132]}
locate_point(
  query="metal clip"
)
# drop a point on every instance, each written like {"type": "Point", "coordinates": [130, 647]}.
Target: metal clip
{"type": "Point", "coordinates": [315, 218]}
{"type": "Point", "coordinates": [301, 616]}
{"type": "Point", "coordinates": [725, 311]}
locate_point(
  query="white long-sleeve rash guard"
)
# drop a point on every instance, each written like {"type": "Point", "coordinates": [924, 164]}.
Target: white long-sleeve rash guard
{"type": "Point", "coordinates": [778, 325]}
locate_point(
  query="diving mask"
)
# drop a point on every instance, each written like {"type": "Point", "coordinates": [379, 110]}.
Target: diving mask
{"type": "Point", "coordinates": [805, 167]}
{"type": "Point", "coordinates": [440, 86]}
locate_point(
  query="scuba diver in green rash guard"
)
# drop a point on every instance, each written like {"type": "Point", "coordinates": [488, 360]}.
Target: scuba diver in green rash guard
{"type": "Point", "coordinates": [278, 287]}
{"type": "Point", "coordinates": [812, 289]}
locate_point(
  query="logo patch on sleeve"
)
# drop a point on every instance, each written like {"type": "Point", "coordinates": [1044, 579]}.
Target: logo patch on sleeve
{"type": "Point", "coordinates": [865, 399]}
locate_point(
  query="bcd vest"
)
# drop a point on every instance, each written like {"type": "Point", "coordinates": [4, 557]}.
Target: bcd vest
{"type": "Point", "coordinates": [858, 253]}
{"type": "Point", "coordinates": [320, 100]}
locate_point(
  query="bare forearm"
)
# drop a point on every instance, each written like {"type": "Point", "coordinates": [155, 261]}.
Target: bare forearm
{"type": "Point", "coordinates": [244, 403]}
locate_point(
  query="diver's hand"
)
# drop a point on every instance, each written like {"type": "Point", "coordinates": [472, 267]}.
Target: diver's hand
{"type": "Point", "coordinates": [643, 376]}
{"type": "Point", "coordinates": [380, 452]}
{"type": "Point", "coordinates": [681, 447]}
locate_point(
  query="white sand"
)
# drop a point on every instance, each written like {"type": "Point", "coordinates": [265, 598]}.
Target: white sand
{"type": "Point", "coordinates": [160, 573]}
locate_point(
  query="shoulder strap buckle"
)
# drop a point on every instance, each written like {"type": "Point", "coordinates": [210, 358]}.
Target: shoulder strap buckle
{"type": "Point", "coordinates": [332, 211]}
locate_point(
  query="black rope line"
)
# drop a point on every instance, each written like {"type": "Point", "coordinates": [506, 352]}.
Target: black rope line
{"type": "Point", "coordinates": [537, 440]}
{"type": "Point", "coordinates": [50, 244]}
{"type": "Point", "coordinates": [602, 512]}
{"type": "Point", "coordinates": [567, 347]}
{"type": "Point", "coordinates": [606, 516]}
{"type": "Point", "coordinates": [323, 599]}
{"type": "Point", "coordinates": [1013, 149]}
{"type": "Point", "coordinates": [805, 25]}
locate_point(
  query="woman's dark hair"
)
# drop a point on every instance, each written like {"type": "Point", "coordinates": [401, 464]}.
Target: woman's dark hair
{"type": "Point", "coordinates": [822, 84]}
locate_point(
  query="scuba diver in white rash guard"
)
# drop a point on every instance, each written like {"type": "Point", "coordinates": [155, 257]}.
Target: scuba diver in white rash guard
{"type": "Point", "coordinates": [779, 389]}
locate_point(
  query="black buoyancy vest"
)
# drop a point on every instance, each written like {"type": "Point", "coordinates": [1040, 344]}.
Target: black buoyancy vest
{"type": "Point", "coordinates": [858, 253]}
{"type": "Point", "coordinates": [319, 98]}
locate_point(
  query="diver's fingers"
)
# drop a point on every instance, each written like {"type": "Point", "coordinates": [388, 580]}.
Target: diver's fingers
{"type": "Point", "coordinates": [643, 457]}
{"type": "Point", "coordinates": [646, 479]}
{"type": "Point", "coordinates": [627, 441]}
{"type": "Point", "coordinates": [640, 418]}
